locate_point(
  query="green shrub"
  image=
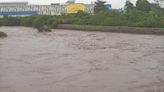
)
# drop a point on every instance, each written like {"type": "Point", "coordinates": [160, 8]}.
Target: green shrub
{"type": "Point", "coordinates": [27, 21]}
{"type": "Point", "coordinates": [40, 20]}
{"type": "Point", "coordinates": [54, 24]}
{"type": "Point", "coordinates": [11, 21]}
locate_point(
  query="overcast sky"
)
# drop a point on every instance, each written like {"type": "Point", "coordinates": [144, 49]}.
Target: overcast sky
{"type": "Point", "coordinates": [115, 3]}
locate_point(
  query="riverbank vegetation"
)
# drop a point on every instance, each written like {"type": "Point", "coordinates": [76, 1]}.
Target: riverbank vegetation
{"type": "Point", "coordinates": [143, 14]}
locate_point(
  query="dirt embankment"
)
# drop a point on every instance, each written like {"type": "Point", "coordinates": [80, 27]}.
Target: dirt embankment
{"type": "Point", "coordinates": [132, 30]}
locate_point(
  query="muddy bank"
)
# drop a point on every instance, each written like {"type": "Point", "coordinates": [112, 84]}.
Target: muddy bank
{"type": "Point", "coordinates": [80, 61]}
{"type": "Point", "coordinates": [132, 30]}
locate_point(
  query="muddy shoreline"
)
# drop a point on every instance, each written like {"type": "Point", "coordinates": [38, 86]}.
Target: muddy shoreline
{"type": "Point", "coordinates": [117, 29]}
{"type": "Point", "coordinates": [80, 61]}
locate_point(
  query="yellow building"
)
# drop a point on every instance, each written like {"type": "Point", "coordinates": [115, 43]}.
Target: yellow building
{"type": "Point", "coordinates": [75, 7]}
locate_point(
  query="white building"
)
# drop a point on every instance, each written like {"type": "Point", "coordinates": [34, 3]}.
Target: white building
{"type": "Point", "coordinates": [24, 9]}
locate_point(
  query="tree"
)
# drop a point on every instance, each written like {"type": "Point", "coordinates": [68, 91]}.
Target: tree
{"type": "Point", "coordinates": [100, 6]}
{"type": "Point", "coordinates": [128, 6]}
{"type": "Point", "coordinates": [155, 7]}
{"type": "Point", "coordinates": [157, 1]}
{"type": "Point", "coordinates": [70, 1]}
{"type": "Point", "coordinates": [143, 5]}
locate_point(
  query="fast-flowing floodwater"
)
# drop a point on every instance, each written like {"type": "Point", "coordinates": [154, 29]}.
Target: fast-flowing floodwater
{"type": "Point", "coordinates": [77, 61]}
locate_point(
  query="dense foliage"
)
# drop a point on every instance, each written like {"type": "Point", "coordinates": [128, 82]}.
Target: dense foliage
{"type": "Point", "coordinates": [144, 14]}
{"type": "Point", "coordinates": [100, 6]}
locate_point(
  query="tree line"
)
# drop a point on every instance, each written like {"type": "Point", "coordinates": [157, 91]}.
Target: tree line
{"type": "Point", "coordinates": [143, 14]}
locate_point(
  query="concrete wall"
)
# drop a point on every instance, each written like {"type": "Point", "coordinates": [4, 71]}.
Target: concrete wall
{"type": "Point", "coordinates": [132, 30]}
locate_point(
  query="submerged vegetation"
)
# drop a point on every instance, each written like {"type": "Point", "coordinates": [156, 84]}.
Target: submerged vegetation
{"type": "Point", "coordinates": [143, 14]}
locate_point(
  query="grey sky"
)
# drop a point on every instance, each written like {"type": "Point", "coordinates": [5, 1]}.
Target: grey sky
{"type": "Point", "coordinates": [115, 3]}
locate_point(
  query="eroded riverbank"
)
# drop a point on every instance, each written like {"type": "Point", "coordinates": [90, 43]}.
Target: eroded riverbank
{"type": "Point", "coordinates": [76, 61]}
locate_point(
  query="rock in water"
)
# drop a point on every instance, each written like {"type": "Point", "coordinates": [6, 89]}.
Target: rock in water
{"type": "Point", "coordinates": [2, 34]}
{"type": "Point", "coordinates": [40, 30]}
{"type": "Point", "coordinates": [44, 29]}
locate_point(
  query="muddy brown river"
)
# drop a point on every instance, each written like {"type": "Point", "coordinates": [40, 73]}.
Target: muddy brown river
{"type": "Point", "coordinates": [78, 61]}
